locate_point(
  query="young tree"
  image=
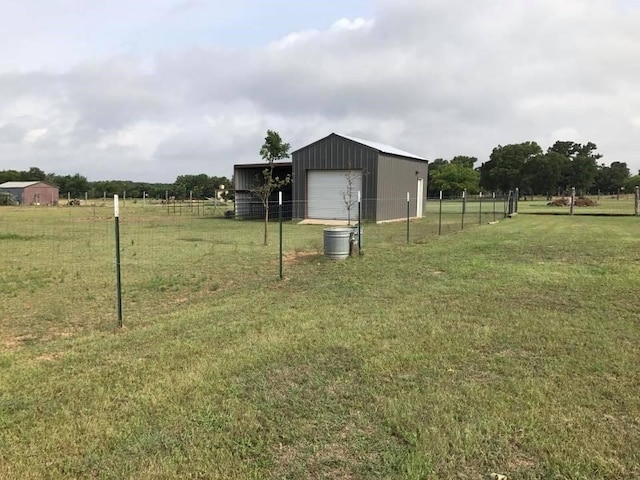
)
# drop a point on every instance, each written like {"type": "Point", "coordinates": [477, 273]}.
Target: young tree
{"type": "Point", "coordinates": [350, 195]}
{"type": "Point", "coordinates": [272, 150]}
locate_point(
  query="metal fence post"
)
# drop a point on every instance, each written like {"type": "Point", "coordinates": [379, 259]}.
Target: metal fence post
{"type": "Point", "coordinates": [440, 216]}
{"type": "Point", "coordinates": [280, 221]}
{"type": "Point", "coordinates": [464, 206]}
{"type": "Point", "coordinates": [116, 215]}
{"type": "Point", "coordinates": [359, 223]}
{"type": "Point", "coordinates": [494, 206]}
{"type": "Point", "coordinates": [408, 216]}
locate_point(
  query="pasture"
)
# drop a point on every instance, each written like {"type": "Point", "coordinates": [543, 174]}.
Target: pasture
{"type": "Point", "coordinates": [508, 348]}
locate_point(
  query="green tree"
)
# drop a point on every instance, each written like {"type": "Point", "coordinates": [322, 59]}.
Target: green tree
{"type": "Point", "coordinates": [76, 184]}
{"type": "Point", "coordinates": [453, 178]}
{"type": "Point", "coordinates": [33, 174]}
{"type": "Point", "coordinates": [631, 183]}
{"type": "Point", "coordinates": [272, 150]}
{"type": "Point", "coordinates": [503, 171]}
{"type": "Point", "coordinates": [583, 164]}
{"type": "Point", "coordinates": [464, 161]}
{"type": "Point", "coordinates": [433, 168]}
{"type": "Point", "coordinates": [543, 173]}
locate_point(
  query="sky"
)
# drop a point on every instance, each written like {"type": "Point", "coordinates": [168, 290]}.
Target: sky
{"type": "Point", "coordinates": [147, 90]}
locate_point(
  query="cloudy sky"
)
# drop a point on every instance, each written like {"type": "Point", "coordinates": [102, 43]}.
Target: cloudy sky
{"type": "Point", "coordinates": [150, 89]}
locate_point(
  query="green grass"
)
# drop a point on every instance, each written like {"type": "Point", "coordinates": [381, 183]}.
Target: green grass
{"type": "Point", "coordinates": [510, 348]}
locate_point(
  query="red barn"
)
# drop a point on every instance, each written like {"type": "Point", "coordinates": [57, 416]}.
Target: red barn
{"type": "Point", "coordinates": [32, 193]}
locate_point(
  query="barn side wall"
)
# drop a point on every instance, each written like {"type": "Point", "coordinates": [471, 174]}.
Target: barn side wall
{"type": "Point", "coordinates": [396, 177]}
{"type": "Point", "coordinates": [335, 153]}
{"type": "Point", "coordinates": [248, 205]}
{"type": "Point", "coordinates": [40, 193]}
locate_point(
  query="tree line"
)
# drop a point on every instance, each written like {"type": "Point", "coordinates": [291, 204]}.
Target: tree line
{"type": "Point", "coordinates": [526, 166]}
{"type": "Point", "coordinates": [77, 186]}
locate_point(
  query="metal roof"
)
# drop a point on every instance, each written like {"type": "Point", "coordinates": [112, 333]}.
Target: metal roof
{"type": "Point", "coordinates": [18, 184]}
{"type": "Point", "coordinates": [381, 147]}
{"type": "Point", "coordinates": [262, 165]}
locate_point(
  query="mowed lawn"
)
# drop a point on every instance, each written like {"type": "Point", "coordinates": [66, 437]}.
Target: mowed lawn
{"type": "Point", "coordinates": [510, 348]}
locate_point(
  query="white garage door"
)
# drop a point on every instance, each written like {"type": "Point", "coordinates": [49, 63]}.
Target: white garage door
{"type": "Point", "coordinates": [329, 192]}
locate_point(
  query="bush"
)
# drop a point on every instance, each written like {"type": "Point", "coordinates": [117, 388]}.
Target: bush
{"type": "Point", "coordinates": [7, 199]}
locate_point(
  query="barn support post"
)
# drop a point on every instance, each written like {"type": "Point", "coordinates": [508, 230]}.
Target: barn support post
{"type": "Point", "coordinates": [116, 215]}
{"type": "Point", "coordinates": [440, 216]}
{"type": "Point", "coordinates": [408, 215]}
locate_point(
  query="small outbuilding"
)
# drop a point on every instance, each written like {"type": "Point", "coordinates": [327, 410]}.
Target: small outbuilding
{"type": "Point", "coordinates": [329, 173]}
{"type": "Point", "coordinates": [248, 205]}
{"type": "Point", "coordinates": [32, 193]}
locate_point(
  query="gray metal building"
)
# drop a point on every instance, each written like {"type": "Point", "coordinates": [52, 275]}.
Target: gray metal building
{"type": "Point", "coordinates": [328, 173]}
{"type": "Point", "coordinates": [247, 177]}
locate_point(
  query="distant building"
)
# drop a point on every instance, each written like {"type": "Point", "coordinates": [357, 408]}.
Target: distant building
{"type": "Point", "coordinates": [32, 193]}
{"type": "Point", "coordinates": [327, 175]}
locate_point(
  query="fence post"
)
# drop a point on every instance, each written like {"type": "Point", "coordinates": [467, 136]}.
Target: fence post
{"type": "Point", "coordinates": [480, 215]}
{"type": "Point", "coordinates": [464, 206]}
{"type": "Point", "coordinates": [116, 215]}
{"type": "Point", "coordinates": [280, 221]}
{"type": "Point", "coordinates": [506, 202]}
{"type": "Point", "coordinates": [494, 206]}
{"type": "Point", "coordinates": [516, 200]}
{"type": "Point", "coordinates": [408, 216]}
{"type": "Point", "coordinates": [573, 200]}
{"type": "Point", "coordinates": [440, 216]}
{"type": "Point", "coordinates": [637, 200]}
{"type": "Point", "coordinates": [359, 223]}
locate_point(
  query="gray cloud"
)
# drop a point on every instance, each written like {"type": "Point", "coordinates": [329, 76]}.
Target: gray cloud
{"type": "Point", "coordinates": [436, 77]}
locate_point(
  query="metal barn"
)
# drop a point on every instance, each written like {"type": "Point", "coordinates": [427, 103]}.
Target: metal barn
{"type": "Point", "coordinates": [328, 173]}
{"type": "Point", "coordinates": [32, 193]}
{"type": "Point", "coordinates": [248, 205]}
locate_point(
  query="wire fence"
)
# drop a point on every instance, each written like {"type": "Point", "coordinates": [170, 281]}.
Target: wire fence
{"type": "Point", "coordinates": [58, 270]}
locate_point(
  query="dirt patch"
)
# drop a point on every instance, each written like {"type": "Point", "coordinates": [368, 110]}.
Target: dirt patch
{"type": "Point", "coordinates": [19, 341]}
{"type": "Point", "coordinates": [296, 257]}
{"type": "Point", "coordinates": [49, 357]}
{"type": "Point", "coordinates": [566, 202]}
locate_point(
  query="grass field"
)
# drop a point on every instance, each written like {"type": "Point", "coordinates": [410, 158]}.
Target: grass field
{"type": "Point", "coordinates": [510, 348]}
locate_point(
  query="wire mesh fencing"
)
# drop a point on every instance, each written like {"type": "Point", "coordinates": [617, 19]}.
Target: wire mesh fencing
{"type": "Point", "coordinates": [58, 269]}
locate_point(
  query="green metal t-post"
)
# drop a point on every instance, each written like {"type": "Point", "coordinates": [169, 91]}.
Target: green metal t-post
{"type": "Point", "coordinates": [280, 220]}
{"type": "Point", "coordinates": [359, 223]}
{"type": "Point", "coordinates": [116, 214]}
{"type": "Point", "coordinates": [440, 216]}
{"type": "Point", "coordinates": [408, 215]}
